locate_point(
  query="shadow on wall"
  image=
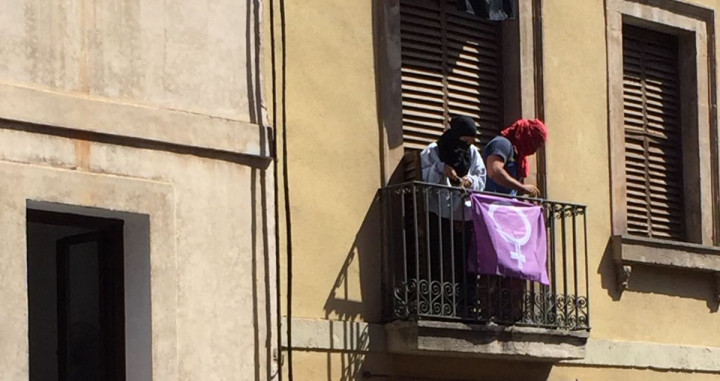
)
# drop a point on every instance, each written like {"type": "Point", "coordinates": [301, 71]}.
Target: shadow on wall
{"type": "Point", "coordinates": [364, 256]}
{"type": "Point", "coordinates": [366, 251]}
{"type": "Point", "coordinates": [658, 280]}
{"type": "Point", "coordinates": [362, 265]}
{"type": "Point", "coordinates": [262, 305]}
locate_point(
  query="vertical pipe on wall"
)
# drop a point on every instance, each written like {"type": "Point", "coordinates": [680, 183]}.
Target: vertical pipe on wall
{"type": "Point", "coordinates": [285, 185]}
{"type": "Point", "coordinates": [276, 184]}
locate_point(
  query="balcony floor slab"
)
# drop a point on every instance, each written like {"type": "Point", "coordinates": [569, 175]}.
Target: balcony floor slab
{"type": "Point", "coordinates": [455, 339]}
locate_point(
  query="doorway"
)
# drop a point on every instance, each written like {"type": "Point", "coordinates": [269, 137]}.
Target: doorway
{"type": "Point", "coordinates": [76, 297]}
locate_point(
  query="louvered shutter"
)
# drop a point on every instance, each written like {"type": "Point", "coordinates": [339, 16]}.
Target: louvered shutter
{"type": "Point", "coordinates": [653, 145]}
{"type": "Point", "coordinates": [450, 66]}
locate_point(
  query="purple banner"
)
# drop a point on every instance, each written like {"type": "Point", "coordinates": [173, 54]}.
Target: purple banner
{"type": "Point", "coordinates": [510, 239]}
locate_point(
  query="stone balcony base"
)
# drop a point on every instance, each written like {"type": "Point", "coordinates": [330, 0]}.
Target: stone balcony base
{"type": "Point", "coordinates": [489, 340]}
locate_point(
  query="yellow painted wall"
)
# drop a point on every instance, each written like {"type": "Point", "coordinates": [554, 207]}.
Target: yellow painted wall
{"type": "Point", "coordinates": [663, 306]}
{"type": "Point", "coordinates": [333, 157]}
{"type": "Point", "coordinates": [334, 170]}
{"type": "Point", "coordinates": [331, 365]}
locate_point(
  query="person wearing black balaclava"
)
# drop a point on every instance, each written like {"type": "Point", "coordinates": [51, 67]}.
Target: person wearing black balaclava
{"type": "Point", "coordinates": [454, 162]}
{"type": "Point", "coordinates": [454, 150]}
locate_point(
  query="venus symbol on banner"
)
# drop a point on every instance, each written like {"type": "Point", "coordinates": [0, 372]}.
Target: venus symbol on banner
{"type": "Point", "coordinates": [509, 237]}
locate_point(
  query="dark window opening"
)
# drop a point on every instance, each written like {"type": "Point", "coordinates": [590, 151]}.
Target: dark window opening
{"type": "Point", "coordinates": [75, 297]}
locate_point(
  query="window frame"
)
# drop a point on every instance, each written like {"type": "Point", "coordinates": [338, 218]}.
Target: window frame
{"type": "Point", "coordinates": [694, 27]}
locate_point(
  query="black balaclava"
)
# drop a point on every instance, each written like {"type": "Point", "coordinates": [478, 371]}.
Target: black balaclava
{"type": "Point", "coordinates": [453, 151]}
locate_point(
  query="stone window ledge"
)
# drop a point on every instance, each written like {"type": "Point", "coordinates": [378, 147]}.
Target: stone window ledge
{"type": "Point", "coordinates": [452, 339]}
{"type": "Point", "coordinates": [629, 251]}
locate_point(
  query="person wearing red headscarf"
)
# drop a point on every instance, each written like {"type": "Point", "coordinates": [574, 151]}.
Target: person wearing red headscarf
{"type": "Point", "coordinates": [506, 157]}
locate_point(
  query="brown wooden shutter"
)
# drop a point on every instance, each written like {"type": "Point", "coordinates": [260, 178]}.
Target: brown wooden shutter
{"type": "Point", "coordinates": [653, 145]}
{"type": "Point", "coordinates": [450, 66]}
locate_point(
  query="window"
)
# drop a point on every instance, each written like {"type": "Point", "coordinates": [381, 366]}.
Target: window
{"type": "Point", "coordinates": [451, 65]}
{"type": "Point", "coordinates": [434, 61]}
{"type": "Point", "coordinates": [653, 138]}
{"type": "Point", "coordinates": [662, 126]}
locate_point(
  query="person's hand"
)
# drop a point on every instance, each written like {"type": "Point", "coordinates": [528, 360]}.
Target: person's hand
{"type": "Point", "coordinates": [531, 190]}
{"type": "Point", "coordinates": [466, 182]}
{"type": "Point", "coordinates": [450, 173]}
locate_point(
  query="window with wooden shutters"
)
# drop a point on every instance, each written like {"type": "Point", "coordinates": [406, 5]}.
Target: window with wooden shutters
{"type": "Point", "coordinates": [451, 65]}
{"type": "Point", "coordinates": [653, 136]}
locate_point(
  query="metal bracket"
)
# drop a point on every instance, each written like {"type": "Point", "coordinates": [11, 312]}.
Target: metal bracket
{"type": "Point", "coordinates": [623, 276]}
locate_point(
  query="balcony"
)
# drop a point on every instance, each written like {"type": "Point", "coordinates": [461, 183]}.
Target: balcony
{"type": "Point", "coordinates": [433, 304]}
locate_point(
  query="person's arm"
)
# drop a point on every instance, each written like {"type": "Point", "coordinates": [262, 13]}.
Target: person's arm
{"type": "Point", "coordinates": [476, 177]}
{"type": "Point", "coordinates": [432, 167]}
{"type": "Point", "coordinates": [496, 171]}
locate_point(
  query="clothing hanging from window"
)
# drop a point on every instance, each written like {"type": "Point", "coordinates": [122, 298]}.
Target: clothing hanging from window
{"type": "Point", "coordinates": [494, 10]}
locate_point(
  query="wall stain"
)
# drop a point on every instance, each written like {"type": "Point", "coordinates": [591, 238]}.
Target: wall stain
{"type": "Point", "coordinates": [82, 155]}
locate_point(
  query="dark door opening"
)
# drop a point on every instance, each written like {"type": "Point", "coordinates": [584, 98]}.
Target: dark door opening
{"type": "Point", "coordinates": [75, 264]}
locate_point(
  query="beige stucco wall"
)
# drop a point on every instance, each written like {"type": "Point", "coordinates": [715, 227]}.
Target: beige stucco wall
{"type": "Point", "coordinates": [182, 55]}
{"type": "Point", "coordinates": [333, 158]}
{"type": "Point", "coordinates": [210, 305]}
{"type": "Point", "coordinates": [150, 108]}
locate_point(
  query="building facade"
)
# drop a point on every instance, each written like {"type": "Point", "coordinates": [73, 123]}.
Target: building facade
{"type": "Point", "coordinates": [137, 193]}
{"type": "Point", "coordinates": [628, 90]}
{"type": "Point", "coordinates": [157, 224]}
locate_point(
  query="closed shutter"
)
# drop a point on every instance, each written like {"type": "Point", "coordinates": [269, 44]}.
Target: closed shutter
{"type": "Point", "coordinates": [653, 145]}
{"type": "Point", "coordinates": [450, 66]}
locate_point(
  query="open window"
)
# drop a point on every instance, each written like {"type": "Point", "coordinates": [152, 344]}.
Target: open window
{"type": "Point", "coordinates": [77, 297]}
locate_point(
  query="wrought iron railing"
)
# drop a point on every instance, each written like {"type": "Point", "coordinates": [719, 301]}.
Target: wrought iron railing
{"type": "Point", "coordinates": [425, 267]}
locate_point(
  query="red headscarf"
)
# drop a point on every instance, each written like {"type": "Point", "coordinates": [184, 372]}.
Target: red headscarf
{"type": "Point", "coordinates": [526, 135]}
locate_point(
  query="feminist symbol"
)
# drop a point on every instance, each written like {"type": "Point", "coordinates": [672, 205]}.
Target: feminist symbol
{"type": "Point", "coordinates": [509, 237]}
